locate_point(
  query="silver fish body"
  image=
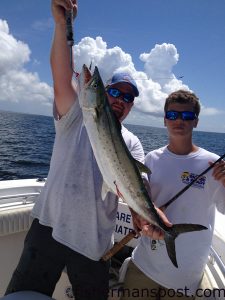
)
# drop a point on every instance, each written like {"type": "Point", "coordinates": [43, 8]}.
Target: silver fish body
{"type": "Point", "coordinates": [120, 171]}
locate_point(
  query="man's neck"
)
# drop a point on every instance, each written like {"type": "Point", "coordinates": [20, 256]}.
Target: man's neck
{"type": "Point", "coordinates": [181, 147]}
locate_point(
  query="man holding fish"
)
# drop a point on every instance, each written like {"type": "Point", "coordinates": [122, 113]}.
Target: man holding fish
{"type": "Point", "coordinates": [173, 167]}
{"type": "Point", "coordinates": [74, 219]}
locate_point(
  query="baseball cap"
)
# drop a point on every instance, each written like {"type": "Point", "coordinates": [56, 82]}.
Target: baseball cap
{"type": "Point", "coordinates": [126, 78]}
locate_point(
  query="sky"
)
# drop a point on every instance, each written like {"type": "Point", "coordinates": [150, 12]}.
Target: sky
{"type": "Point", "coordinates": [165, 44]}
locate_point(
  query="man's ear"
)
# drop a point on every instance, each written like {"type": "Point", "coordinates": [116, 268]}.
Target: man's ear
{"type": "Point", "coordinates": [164, 121]}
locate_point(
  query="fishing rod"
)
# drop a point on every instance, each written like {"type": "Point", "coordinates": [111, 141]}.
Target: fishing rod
{"type": "Point", "coordinates": [69, 35]}
{"type": "Point", "coordinates": [192, 182]}
{"type": "Point", "coordinates": [133, 233]}
{"type": "Point", "coordinates": [69, 27]}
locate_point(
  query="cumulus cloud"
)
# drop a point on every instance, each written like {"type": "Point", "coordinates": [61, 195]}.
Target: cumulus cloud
{"type": "Point", "coordinates": [95, 52]}
{"type": "Point", "coordinates": [20, 90]}
{"type": "Point", "coordinates": [154, 83]}
{"type": "Point", "coordinates": [13, 54]}
{"type": "Point", "coordinates": [160, 61]}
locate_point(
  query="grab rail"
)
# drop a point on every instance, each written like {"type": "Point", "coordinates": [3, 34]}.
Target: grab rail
{"type": "Point", "coordinates": [19, 196]}
{"type": "Point", "coordinates": [26, 199]}
{"type": "Point", "coordinates": [218, 260]}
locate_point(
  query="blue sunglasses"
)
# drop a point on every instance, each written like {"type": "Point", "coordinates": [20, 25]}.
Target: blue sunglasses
{"type": "Point", "coordinates": [184, 115]}
{"type": "Point", "coordinates": [115, 93]}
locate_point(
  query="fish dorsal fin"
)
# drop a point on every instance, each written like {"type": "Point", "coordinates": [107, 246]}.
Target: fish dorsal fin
{"type": "Point", "coordinates": [142, 168]}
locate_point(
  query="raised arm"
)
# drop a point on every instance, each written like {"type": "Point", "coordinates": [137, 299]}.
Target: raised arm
{"type": "Point", "coordinates": [64, 91]}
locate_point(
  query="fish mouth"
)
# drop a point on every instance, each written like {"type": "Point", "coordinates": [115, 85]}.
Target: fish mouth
{"type": "Point", "coordinates": [87, 74]}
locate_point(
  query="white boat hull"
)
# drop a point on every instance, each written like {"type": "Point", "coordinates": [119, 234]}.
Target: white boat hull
{"type": "Point", "coordinates": [16, 201]}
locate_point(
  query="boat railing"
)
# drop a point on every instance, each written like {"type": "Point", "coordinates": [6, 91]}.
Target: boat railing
{"type": "Point", "coordinates": [216, 258]}
{"type": "Point", "coordinates": [10, 201]}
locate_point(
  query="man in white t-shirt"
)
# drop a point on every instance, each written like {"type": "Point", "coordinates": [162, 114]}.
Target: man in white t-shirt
{"type": "Point", "coordinates": [72, 225]}
{"type": "Point", "coordinates": [150, 273]}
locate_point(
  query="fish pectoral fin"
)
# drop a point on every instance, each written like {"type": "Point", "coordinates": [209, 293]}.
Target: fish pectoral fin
{"type": "Point", "coordinates": [105, 190]}
{"type": "Point", "coordinates": [142, 168]}
{"type": "Point", "coordinates": [119, 194]}
{"type": "Point", "coordinates": [96, 115]}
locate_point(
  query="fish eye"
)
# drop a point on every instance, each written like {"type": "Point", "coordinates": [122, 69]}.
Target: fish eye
{"type": "Point", "coordinates": [95, 84]}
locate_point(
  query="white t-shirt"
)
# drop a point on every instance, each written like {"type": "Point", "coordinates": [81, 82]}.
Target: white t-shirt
{"type": "Point", "coordinates": [170, 174]}
{"type": "Point", "coordinates": [70, 201]}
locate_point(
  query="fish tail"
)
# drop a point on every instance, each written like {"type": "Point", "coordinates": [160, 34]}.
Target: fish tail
{"type": "Point", "coordinates": [173, 233]}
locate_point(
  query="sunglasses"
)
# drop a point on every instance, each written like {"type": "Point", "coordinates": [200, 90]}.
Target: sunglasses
{"type": "Point", "coordinates": [115, 93]}
{"type": "Point", "coordinates": [184, 115]}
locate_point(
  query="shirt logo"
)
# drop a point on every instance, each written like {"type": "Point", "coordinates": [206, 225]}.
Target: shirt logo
{"type": "Point", "coordinates": [188, 177]}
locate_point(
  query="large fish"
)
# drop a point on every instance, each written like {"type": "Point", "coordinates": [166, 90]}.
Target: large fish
{"type": "Point", "coordinates": [120, 171]}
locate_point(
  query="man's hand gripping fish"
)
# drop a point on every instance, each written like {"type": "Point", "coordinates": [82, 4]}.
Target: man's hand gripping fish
{"type": "Point", "coordinates": [120, 171]}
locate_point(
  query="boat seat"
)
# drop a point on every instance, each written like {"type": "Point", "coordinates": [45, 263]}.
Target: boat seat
{"type": "Point", "coordinates": [26, 295]}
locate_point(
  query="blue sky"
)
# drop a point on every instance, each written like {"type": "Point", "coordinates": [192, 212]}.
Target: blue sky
{"type": "Point", "coordinates": [166, 44]}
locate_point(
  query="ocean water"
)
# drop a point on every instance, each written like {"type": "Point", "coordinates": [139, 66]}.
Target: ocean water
{"type": "Point", "coordinates": [26, 143]}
